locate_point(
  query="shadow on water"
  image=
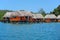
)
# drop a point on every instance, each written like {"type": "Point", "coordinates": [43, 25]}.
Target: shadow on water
{"type": "Point", "coordinates": [20, 23]}
{"type": "Point", "coordinates": [29, 23]}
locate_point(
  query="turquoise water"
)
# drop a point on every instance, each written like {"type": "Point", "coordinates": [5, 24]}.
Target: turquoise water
{"type": "Point", "coordinates": [37, 31]}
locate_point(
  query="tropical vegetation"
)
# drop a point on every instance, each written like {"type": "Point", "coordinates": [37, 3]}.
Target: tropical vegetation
{"type": "Point", "coordinates": [56, 11]}
{"type": "Point", "coordinates": [2, 12]}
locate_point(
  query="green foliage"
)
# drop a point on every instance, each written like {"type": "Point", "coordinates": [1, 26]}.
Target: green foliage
{"type": "Point", "coordinates": [2, 12]}
{"type": "Point", "coordinates": [56, 11]}
{"type": "Point", "coordinates": [41, 11]}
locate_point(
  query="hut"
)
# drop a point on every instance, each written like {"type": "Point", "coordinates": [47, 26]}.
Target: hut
{"type": "Point", "coordinates": [7, 16]}
{"type": "Point", "coordinates": [33, 17]}
{"type": "Point", "coordinates": [18, 16]}
{"type": "Point", "coordinates": [11, 16]}
{"type": "Point", "coordinates": [25, 15]}
{"type": "Point", "coordinates": [58, 18]}
{"type": "Point", "coordinates": [50, 18]}
{"type": "Point", "coordinates": [37, 17]}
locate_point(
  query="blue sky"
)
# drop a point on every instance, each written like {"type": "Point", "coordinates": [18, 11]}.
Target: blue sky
{"type": "Point", "coordinates": [29, 5]}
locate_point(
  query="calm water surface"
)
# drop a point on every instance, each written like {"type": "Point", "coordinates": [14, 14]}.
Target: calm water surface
{"type": "Point", "coordinates": [37, 31]}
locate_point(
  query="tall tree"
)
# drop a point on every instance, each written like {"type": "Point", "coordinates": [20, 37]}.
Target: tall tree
{"type": "Point", "coordinates": [56, 11]}
{"type": "Point", "coordinates": [41, 11]}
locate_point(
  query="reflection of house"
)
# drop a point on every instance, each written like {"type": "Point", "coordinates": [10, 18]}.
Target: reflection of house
{"type": "Point", "coordinates": [58, 18]}
{"type": "Point", "coordinates": [17, 16]}
{"type": "Point", "coordinates": [50, 18]}
{"type": "Point", "coordinates": [37, 17]}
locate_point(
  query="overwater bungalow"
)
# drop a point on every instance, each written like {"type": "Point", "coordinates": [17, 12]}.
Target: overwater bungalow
{"type": "Point", "coordinates": [18, 16]}
{"type": "Point", "coordinates": [58, 18]}
{"type": "Point", "coordinates": [33, 17]}
{"type": "Point", "coordinates": [25, 16]}
{"type": "Point", "coordinates": [9, 15]}
{"type": "Point", "coordinates": [50, 18]}
{"type": "Point", "coordinates": [37, 17]}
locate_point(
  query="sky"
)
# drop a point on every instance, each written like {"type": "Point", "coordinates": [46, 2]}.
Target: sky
{"type": "Point", "coordinates": [29, 5]}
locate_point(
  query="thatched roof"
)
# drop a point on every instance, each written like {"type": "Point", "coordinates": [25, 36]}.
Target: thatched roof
{"type": "Point", "coordinates": [37, 16]}
{"type": "Point", "coordinates": [24, 13]}
{"type": "Point", "coordinates": [18, 13]}
{"type": "Point", "coordinates": [10, 14]}
{"type": "Point", "coordinates": [50, 16]}
{"type": "Point", "coordinates": [58, 17]}
{"type": "Point", "coordinates": [34, 16]}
